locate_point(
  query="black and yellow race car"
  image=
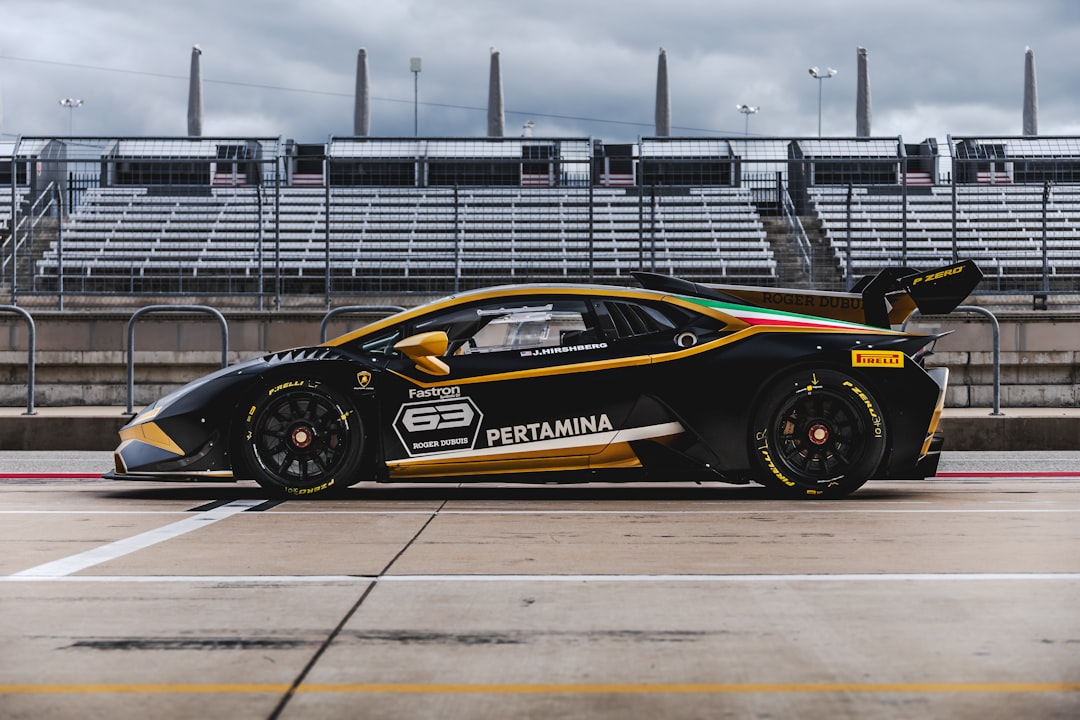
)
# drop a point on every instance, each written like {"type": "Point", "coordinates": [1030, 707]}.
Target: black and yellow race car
{"type": "Point", "coordinates": [811, 393]}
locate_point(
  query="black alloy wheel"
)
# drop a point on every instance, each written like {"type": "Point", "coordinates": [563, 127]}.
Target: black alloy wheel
{"type": "Point", "coordinates": [300, 438]}
{"type": "Point", "coordinates": [820, 433]}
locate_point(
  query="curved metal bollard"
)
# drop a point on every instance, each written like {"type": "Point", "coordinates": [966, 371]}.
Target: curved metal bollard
{"type": "Point", "coordinates": [30, 355]}
{"type": "Point", "coordinates": [204, 309]}
{"type": "Point", "coordinates": [997, 346]}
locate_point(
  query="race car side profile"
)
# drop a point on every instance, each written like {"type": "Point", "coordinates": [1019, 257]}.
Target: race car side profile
{"type": "Point", "coordinates": [810, 393]}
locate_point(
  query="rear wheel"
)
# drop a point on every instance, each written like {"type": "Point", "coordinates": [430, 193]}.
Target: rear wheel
{"type": "Point", "coordinates": [819, 433]}
{"type": "Point", "coordinates": [299, 437]}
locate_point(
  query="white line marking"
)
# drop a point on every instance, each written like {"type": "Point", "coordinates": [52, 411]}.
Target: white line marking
{"type": "Point", "coordinates": [784, 578]}
{"type": "Point", "coordinates": [996, 511]}
{"type": "Point", "coordinates": [600, 439]}
{"type": "Point", "coordinates": [104, 553]}
{"type": "Point", "coordinates": [839, 577]}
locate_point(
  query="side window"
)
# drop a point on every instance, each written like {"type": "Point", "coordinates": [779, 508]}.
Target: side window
{"type": "Point", "coordinates": [527, 327]}
{"type": "Point", "coordinates": [514, 326]}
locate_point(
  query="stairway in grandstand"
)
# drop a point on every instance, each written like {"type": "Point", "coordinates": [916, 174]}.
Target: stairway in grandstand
{"type": "Point", "coordinates": [399, 239]}
{"type": "Point", "coordinates": [28, 243]}
{"type": "Point", "coordinates": [998, 226]}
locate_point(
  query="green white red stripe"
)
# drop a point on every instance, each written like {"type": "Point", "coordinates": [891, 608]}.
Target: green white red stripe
{"type": "Point", "coordinates": [781, 318]}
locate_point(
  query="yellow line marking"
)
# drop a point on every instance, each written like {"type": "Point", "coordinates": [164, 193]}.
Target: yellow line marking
{"type": "Point", "coordinates": [544, 689]}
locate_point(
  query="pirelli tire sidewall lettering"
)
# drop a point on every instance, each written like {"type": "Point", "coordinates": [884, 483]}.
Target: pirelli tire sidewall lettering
{"type": "Point", "coordinates": [337, 415]}
{"type": "Point", "coordinates": [825, 403]}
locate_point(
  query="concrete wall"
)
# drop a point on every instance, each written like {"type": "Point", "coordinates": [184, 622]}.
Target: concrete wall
{"type": "Point", "coordinates": [1040, 358]}
{"type": "Point", "coordinates": [81, 358]}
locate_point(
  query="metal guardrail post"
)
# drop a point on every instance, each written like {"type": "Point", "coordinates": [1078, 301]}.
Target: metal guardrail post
{"type": "Point", "coordinates": [30, 355]}
{"type": "Point", "coordinates": [388, 309]}
{"type": "Point", "coordinates": [997, 347]}
{"type": "Point", "coordinates": [174, 309]}
{"type": "Point", "coordinates": [59, 249]}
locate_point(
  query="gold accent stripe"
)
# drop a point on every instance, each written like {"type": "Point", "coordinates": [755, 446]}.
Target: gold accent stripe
{"type": "Point", "coordinates": [399, 471]}
{"type": "Point", "coordinates": [538, 372]}
{"type": "Point", "coordinates": [616, 455]}
{"type": "Point", "coordinates": [151, 434]}
{"type": "Point", "coordinates": [935, 418]}
{"type": "Point", "coordinates": [583, 290]}
{"type": "Point", "coordinates": [635, 361]}
{"type": "Point", "coordinates": [543, 688]}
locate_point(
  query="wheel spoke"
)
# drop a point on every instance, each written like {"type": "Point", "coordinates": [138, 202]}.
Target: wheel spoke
{"type": "Point", "coordinates": [283, 463]}
{"type": "Point", "coordinates": [818, 434]}
{"type": "Point", "coordinates": [301, 438]}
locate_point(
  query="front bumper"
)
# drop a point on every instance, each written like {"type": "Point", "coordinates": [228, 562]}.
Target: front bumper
{"type": "Point", "coordinates": [146, 452]}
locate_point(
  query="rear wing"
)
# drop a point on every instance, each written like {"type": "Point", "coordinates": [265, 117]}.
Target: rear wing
{"type": "Point", "coordinates": [885, 299]}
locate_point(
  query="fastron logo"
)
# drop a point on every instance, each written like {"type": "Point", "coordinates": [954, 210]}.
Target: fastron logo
{"type": "Point", "coordinates": [877, 358]}
{"type": "Point", "coordinates": [434, 392]}
{"type": "Point", "coordinates": [438, 425]}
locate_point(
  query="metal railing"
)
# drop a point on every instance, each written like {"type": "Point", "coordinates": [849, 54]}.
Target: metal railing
{"type": "Point", "coordinates": [31, 354]}
{"type": "Point", "coordinates": [996, 328]}
{"type": "Point", "coordinates": [21, 238]}
{"type": "Point", "coordinates": [202, 309]}
{"type": "Point", "coordinates": [798, 232]}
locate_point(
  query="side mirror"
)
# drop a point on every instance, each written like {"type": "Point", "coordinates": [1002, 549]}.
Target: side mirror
{"type": "Point", "coordinates": [426, 350]}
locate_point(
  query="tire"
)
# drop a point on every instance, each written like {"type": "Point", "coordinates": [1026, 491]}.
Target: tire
{"type": "Point", "coordinates": [299, 438]}
{"type": "Point", "coordinates": [818, 434]}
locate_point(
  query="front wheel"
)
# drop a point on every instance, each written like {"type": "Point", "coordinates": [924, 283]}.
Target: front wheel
{"type": "Point", "coordinates": [298, 437]}
{"type": "Point", "coordinates": [818, 433]}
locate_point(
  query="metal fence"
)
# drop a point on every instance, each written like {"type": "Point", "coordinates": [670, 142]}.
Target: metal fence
{"type": "Point", "coordinates": [262, 219]}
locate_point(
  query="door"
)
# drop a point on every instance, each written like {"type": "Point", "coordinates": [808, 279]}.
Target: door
{"type": "Point", "coordinates": [521, 384]}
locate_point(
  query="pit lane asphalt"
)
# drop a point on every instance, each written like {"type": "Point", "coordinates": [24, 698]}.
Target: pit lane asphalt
{"type": "Point", "coordinates": [951, 597]}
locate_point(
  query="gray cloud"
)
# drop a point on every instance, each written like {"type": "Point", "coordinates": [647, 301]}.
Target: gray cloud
{"type": "Point", "coordinates": [584, 68]}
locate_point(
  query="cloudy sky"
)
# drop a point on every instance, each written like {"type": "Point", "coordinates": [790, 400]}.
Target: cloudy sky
{"type": "Point", "coordinates": [577, 68]}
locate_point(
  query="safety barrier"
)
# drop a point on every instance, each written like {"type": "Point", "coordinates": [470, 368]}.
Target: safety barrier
{"type": "Point", "coordinates": [996, 352]}
{"type": "Point", "coordinates": [30, 355]}
{"type": "Point", "coordinates": [204, 309]}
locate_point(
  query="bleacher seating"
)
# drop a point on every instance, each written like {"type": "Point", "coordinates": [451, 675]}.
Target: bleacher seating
{"type": "Point", "coordinates": [998, 226]}
{"type": "Point", "coordinates": [408, 238]}
{"type": "Point", "coordinates": [6, 204]}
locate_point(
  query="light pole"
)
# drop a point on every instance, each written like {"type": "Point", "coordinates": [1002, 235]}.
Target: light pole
{"type": "Point", "coordinates": [414, 66]}
{"type": "Point", "coordinates": [71, 104]}
{"type": "Point", "coordinates": [747, 111]}
{"type": "Point", "coordinates": [829, 72]}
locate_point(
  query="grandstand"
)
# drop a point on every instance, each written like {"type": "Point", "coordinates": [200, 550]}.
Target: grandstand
{"type": "Point", "coordinates": [1001, 227]}
{"type": "Point", "coordinates": [392, 239]}
{"type": "Point", "coordinates": [389, 215]}
{"type": "Point", "coordinates": [8, 202]}
{"type": "Point", "coordinates": [1014, 207]}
